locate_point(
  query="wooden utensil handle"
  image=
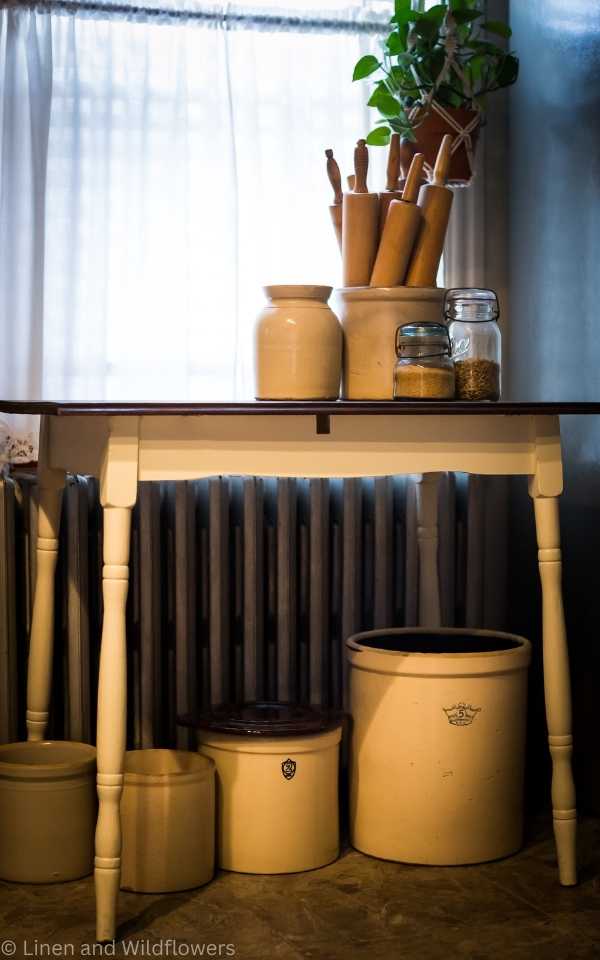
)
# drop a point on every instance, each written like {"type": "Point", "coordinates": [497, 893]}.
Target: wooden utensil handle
{"type": "Point", "coordinates": [361, 167]}
{"type": "Point", "coordinates": [393, 164]}
{"type": "Point", "coordinates": [335, 179]}
{"type": "Point", "coordinates": [413, 179]}
{"type": "Point", "coordinates": [442, 161]}
{"type": "Point", "coordinates": [335, 212]}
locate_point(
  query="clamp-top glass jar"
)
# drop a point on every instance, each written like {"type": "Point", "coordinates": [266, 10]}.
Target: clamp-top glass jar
{"type": "Point", "coordinates": [424, 368]}
{"type": "Point", "coordinates": [472, 316]}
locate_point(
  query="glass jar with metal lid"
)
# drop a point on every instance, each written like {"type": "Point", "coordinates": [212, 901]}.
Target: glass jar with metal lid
{"type": "Point", "coordinates": [424, 368]}
{"type": "Point", "coordinates": [472, 317]}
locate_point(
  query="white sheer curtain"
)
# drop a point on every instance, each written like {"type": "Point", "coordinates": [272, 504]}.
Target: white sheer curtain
{"type": "Point", "coordinates": [155, 171]}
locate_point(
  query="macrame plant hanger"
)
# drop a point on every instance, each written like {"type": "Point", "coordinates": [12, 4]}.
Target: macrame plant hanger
{"type": "Point", "coordinates": [463, 134]}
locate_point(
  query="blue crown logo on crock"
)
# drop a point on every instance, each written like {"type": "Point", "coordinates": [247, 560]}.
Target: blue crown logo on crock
{"type": "Point", "coordinates": [461, 714]}
{"type": "Point", "coordinates": [288, 768]}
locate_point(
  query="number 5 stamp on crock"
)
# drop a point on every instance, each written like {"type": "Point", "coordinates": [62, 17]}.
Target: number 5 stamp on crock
{"type": "Point", "coordinates": [461, 714]}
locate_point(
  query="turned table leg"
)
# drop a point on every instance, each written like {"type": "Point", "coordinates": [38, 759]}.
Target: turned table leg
{"type": "Point", "coordinates": [557, 686]}
{"type": "Point", "coordinates": [428, 538]}
{"type": "Point", "coordinates": [41, 642]}
{"type": "Point", "coordinates": [118, 486]}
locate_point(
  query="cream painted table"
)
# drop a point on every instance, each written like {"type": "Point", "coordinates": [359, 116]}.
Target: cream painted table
{"type": "Point", "coordinates": [122, 444]}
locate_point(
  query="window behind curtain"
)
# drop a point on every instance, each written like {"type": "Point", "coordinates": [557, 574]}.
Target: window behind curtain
{"type": "Point", "coordinates": [185, 169]}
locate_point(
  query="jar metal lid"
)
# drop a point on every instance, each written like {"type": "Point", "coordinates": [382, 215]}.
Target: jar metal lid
{"type": "Point", "coordinates": [431, 338]}
{"type": "Point", "coordinates": [474, 304]}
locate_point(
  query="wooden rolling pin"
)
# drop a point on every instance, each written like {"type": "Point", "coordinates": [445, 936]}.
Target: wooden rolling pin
{"type": "Point", "coordinates": [435, 201]}
{"type": "Point", "coordinates": [400, 231]}
{"type": "Point", "coordinates": [391, 192]}
{"type": "Point", "coordinates": [335, 210]}
{"type": "Point", "coordinates": [360, 218]}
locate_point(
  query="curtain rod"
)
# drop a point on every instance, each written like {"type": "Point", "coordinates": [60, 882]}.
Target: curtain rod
{"type": "Point", "coordinates": [224, 17]}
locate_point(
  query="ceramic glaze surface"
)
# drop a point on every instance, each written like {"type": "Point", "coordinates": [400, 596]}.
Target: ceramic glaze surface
{"type": "Point", "coordinates": [47, 811]}
{"type": "Point", "coordinates": [278, 801]}
{"type": "Point", "coordinates": [298, 346]}
{"type": "Point", "coordinates": [168, 821]}
{"type": "Point", "coordinates": [437, 751]}
{"type": "Point", "coordinates": [370, 318]}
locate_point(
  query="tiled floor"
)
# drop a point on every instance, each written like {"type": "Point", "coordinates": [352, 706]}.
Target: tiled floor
{"type": "Point", "coordinates": [358, 907]}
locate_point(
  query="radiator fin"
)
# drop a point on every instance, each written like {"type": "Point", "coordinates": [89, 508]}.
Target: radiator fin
{"type": "Point", "coordinates": [240, 588]}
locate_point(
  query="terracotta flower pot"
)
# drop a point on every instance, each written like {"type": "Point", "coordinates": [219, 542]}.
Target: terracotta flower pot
{"type": "Point", "coordinates": [429, 131]}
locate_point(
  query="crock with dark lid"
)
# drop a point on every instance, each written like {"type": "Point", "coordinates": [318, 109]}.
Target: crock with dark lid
{"type": "Point", "coordinates": [265, 719]}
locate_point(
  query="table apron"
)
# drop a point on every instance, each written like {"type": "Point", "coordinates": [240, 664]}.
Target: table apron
{"type": "Point", "coordinates": [187, 447]}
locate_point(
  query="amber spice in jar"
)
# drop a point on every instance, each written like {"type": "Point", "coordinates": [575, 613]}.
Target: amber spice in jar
{"type": "Point", "coordinates": [424, 369]}
{"type": "Point", "coordinates": [416, 382]}
{"type": "Point", "coordinates": [477, 379]}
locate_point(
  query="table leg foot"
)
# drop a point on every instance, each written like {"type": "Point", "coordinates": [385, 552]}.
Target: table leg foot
{"type": "Point", "coordinates": [565, 837]}
{"type": "Point", "coordinates": [106, 882]}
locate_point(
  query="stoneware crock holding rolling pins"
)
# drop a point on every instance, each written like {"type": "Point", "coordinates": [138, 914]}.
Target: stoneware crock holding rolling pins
{"type": "Point", "coordinates": [391, 191]}
{"type": "Point", "coordinates": [435, 201]}
{"type": "Point", "coordinates": [360, 224]}
{"type": "Point", "coordinates": [370, 317]}
{"type": "Point", "coordinates": [335, 210]}
{"type": "Point", "coordinates": [399, 233]}
{"type": "Point", "coordinates": [298, 345]}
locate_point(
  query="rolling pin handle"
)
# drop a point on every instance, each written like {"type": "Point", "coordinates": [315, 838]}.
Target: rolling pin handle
{"type": "Point", "coordinates": [361, 167]}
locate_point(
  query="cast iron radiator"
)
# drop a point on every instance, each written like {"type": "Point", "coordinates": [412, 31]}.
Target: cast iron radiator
{"type": "Point", "coordinates": [240, 588]}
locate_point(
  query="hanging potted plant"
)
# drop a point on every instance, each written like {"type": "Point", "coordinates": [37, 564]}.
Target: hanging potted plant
{"type": "Point", "coordinates": [433, 76]}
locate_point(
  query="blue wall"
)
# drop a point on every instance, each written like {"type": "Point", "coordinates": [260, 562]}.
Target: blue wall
{"type": "Point", "coordinates": [553, 346]}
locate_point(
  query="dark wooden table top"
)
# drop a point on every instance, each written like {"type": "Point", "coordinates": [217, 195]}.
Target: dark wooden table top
{"type": "Point", "coordinates": [303, 407]}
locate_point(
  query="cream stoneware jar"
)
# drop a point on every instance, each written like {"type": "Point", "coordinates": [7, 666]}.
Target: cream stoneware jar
{"type": "Point", "coordinates": [277, 794]}
{"type": "Point", "coordinates": [168, 821]}
{"type": "Point", "coordinates": [298, 345]}
{"type": "Point", "coordinates": [438, 744]}
{"type": "Point", "coordinates": [370, 317]}
{"type": "Point", "coordinates": [47, 811]}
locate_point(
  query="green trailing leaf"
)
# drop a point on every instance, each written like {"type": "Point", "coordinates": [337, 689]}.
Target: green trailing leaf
{"type": "Point", "coordinates": [448, 96]}
{"type": "Point", "coordinates": [497, 27]}
{"type": "Point", "coordinates": [388, 105]}
{"type": "Point", "coordinates": [403, 127]}
{"type": "Point", "coordinates": [365, 67]}
{"type": "Point", "coordinates": [426, 29]}
{"type": "Point", "coordinates": [508, 72]}
{"type": "Point", "coordinates": [437, 13]}
{"type": "Point", "coordinates": [380, 90]}
{"type": "Point", "coordinates": [467, 16]}
{"type": "Point", "coordinates": [394, 43]}
{"type": "Point", "coordinates": [401, 7]}
{"type": "Point", "coordinates": [474, 66]}
{"type": "Point", "coordinates": [380, 137]}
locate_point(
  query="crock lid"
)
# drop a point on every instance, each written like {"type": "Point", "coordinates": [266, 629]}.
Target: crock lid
{"type": "Point", "coordinates": [265, 719]}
